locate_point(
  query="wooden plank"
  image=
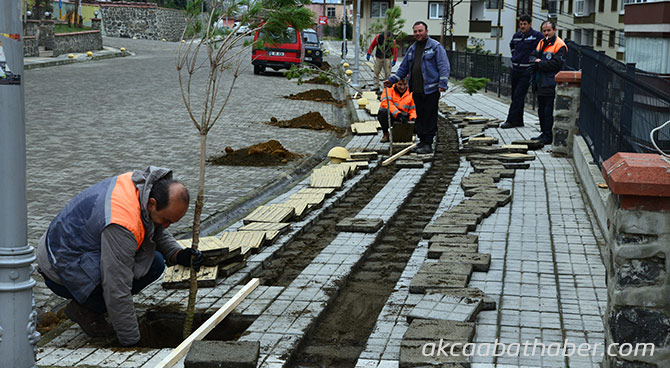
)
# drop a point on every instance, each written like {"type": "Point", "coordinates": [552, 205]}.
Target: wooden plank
{"type": "Point", "coordinates": [208, 326]}
{"type": "Point", "coordinates": [269, 214]}
{"type": "Point", "coordinates": [397, 155]}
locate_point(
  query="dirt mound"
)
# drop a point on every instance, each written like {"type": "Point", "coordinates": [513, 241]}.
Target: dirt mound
{"type": "Point", "coordinates": [50, 321]}
{"type": "Point", "coordinates": [319, 95]}
{"type": "Point", "coordinates": [321, 80]}
{"type": "Point", "coordinates": [312, 120]}
{"type": "Point", "coordinates": [270, 153]}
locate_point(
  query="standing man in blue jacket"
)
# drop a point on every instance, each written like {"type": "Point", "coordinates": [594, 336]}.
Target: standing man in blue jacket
{"type": "Point", "coordinates": [427, 65]}
{"type": "Point", "coordinates": [522, 45]}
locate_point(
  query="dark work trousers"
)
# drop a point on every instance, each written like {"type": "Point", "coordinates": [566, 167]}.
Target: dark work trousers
{"type": "Point", "coordinates": [520, 83]}
{"type": "Point", "coordinates": [426, 116]}
{"type": "Point", "coordinates": [545, 111]}
{"type": "Point", "coordinates": [383, 120]}
{"type": "Point", "coordinates": [96, 302]}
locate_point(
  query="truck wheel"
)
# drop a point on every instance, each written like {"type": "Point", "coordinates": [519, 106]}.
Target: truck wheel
{"type": "Point", "coordinates": [258, 69]}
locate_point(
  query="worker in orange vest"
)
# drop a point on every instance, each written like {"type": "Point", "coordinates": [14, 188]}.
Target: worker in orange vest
{"type": "Point", "coordinates": [401, 104]}
{"type": "Point", "coordinates": [547, 60]}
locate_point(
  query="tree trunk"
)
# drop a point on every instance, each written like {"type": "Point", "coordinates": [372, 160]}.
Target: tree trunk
{"type": "Point", "coordinates": [75, 21]}
{"type": "Point", "coordinates": [190, 309]}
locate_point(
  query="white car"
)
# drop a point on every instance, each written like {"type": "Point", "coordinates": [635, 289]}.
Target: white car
{"type": "Point", "coordinates": [242, 29]}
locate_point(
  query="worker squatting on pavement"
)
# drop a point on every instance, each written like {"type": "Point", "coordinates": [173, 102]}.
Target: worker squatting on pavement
{"type": "Point", "coordinates": [385, 47]}
{"type": "Point", "coordinates": [427, 65]}
{"type": "Point", "coordinates": [108, 243]}
{"type": "Point", "coordinates": [547, 60]}
{"type": "Point", "coordinates": [523, 43]}
{"type": "Point", "coordinates": [398, 100]}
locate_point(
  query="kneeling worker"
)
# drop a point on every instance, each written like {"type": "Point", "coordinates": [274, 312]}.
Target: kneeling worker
{"type": "Point", "coordinates": [110, 242]}
{"type": "Point", "coordinates": [401, 106]}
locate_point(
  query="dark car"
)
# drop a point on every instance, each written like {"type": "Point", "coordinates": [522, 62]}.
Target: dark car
{"type": "Point", "coordinates": [313, 53]}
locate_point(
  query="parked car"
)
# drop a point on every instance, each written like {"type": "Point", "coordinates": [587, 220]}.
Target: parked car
{"type": "Point", "coordinates": [278, 55]}
{"type": "Point", "coordinates": [313, 52]}
{"type": "Point", "coordinates": [240, 29]}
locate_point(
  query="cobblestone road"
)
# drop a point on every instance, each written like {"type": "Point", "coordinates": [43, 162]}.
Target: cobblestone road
{"type": "Point", "coordinates": [89, 121]}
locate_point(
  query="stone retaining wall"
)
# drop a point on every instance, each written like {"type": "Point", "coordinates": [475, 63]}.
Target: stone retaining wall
{"type": "Point", "coordinates": [142, 20]}
{"type": "Point", "coordinates": [30, 46]}
{"type": "Point", "coordinates": [65, 43]}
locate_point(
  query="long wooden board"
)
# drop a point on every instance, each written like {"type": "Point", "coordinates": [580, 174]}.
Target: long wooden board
{"type": "Point", "coordinates": [208, 326]}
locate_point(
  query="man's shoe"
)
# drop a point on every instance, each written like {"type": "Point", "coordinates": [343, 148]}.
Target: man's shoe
{"type": "Point", "coordinates": [93, 324]}
{"type": "Point", "coordinates": [542, 138]}
{"type": "Point", "coordinates": [385, 138]}
{"type": "Point", "coordinates": [508, 125]}
{"type": "Point", "coordinates": [424, 148]}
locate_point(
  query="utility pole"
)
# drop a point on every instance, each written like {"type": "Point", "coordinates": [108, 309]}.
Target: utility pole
{"type": "Point", "coordinates": [344, 30]}
{"type": "Point", "coordinates": [18, 320]}
{"type": "Point", "coordinates": [357, 35]}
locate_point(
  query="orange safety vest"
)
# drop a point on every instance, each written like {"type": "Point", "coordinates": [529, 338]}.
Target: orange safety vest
{"type": "Point", "coordinates": [399, 103]}
{"type": "Point", "coordinates": [551, 49]}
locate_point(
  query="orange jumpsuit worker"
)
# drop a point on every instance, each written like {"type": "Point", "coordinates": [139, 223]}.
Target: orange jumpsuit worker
{"type": "Point", "coordinates": [401, 106]}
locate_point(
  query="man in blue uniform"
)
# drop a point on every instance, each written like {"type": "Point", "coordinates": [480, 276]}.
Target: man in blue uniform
{"type": "Point", "coordinates": [522, 44]}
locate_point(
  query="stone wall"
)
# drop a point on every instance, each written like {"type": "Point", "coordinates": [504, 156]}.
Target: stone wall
{"type": "Point", "coordinates": [566, 113]}
{"type": "Point", "coordinates": [142, 20]}
{"type": "Point", "coordinates": [65, 43]}
{"type": "Point", "coordinates": [638, 252]}
{"type": "Point", "coordinates": [30, 46]}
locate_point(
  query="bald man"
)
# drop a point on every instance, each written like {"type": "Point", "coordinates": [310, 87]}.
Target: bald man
{"type": "Point", "coordinates": [109, 243]}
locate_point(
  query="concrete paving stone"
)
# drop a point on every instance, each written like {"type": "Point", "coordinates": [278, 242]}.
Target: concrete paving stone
{"type": "Point", "coordinates": [139, 358]}
{"type": "Point", "coordinates": [431, 230]}
{"type": "Point", "coordinates": [451, 268]}
{"type": "Point", "coordinates": [516, 165]}
{"type": "Point", "coordinates": [364, 225]}
{"type": "Point", "coordinates": [486, 190]}
{"type": "Point", "coordinates": [157, 358]}
{"type": "Point", "coordinates": [453, 238]}
{"type": "Point", "coordinates": [94, 359]}
{"type": "Point", "coordinates": [423, 281]}
{"type": "Point", "coordinates": [501, 199]}
{"type": "Point", "coordinates": [437, 249]}
{"type": "Point", "coordinates": [214, 354]}
{"type": "Point", "coordinates": [479, 261]}
{"type": "Point", "coordinates": [411, 355]}
{"type": "Point", "coordinates": [447, 307]}
{"type": "Point", "coordinates": [433, 330]}
{"type": "Point", "coordinates": [116, 359]}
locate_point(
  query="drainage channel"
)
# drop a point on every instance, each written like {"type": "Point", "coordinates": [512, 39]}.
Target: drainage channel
{"type": "Point", "coordinates": [299, 253]}
{"type": "Point", "coordinates": [339, 337]}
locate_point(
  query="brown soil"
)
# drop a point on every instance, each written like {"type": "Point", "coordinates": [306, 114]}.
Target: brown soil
{"type": "Point", "coordinates": [270, 153]}
{"type": "Point", "coordinates": [312, 120]}
{"type": "Point", "coordinates": [50, 321]}
{"type": "Point", "coordinates": [319, 95]}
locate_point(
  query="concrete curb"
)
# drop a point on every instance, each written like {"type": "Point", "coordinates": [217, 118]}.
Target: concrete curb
{"type": "Point", "coordinates": [589, 176]}
{"type": "Point", "coordinates": [81, 59]}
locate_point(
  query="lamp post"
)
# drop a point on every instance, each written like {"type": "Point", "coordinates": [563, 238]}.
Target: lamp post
{"type": "Point", "coordinates": [357, 34]}
{"type": "Point", "coordinates": [18, 320]}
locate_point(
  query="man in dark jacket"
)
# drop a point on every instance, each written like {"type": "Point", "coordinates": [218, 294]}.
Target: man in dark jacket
{"type": "Point", "coordinates": [522, 45]}
{"type": "Point", "coordinates": [547, 60]}
{"type": "Point", "coordinates": [110, 242]}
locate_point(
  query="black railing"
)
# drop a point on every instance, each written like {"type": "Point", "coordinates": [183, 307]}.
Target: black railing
{"type": "Point", "coordinates": [619, 104]}
{"type": "Point", "coordinates": [495, 68]}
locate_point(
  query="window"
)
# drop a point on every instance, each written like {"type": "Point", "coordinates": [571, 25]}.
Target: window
{"type": "Point", "coordinates": [622, 39]}
{"type": "Point", "coordinates": [435, 10]}
{"type": "Point", "coordinates": [524, 7]}
{"type": "Point", "coordinates": [496, 31]}
{"type": "Point", "coordinates": [493, 4]}
{"type": "Point", "coordinates": [601, 6]}
{"type": "Point", "coordinates": [599, 38]}
{"type": "Point", "coordinates": [615, 6]}
{"type": "Point", "coordinates": [330, 12]}
{"type": "Point", "coordinates": [379, 9]}
{"type": "Point", "coordinates": [560, 33]}
{"type": "Point", "coordinates": [568, 34]}
{"type": "Point", "coordinates": [551, 8]}
{"type": "Point", "coordinates": [580, 8]}
{"type": "Point", "coordinates": [570, 7]}
{"type": "Point", "coordinates": [612, 39]}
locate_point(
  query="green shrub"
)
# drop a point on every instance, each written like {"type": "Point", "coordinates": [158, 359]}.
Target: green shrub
{"type": "Point", "coordinates": [472, 85]}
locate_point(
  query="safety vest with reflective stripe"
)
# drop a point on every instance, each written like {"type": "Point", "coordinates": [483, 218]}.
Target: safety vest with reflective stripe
{"type": "Point", "coordinates": [546, 52]}
{"type": "Point", "coordinates": [74, 236]}
{"type": "Point", "coordinates": [399, 103]}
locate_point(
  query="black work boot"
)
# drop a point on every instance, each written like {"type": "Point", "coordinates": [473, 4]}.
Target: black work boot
{"type": "Point", "coordinates": [93, 324]}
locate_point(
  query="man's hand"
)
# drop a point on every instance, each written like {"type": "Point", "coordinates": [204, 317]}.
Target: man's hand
{"type": "Point", "coordinates": [184, 258]}
{"type": "Point", "coordinates": [388, 84]}
{"type": "Point", "coordinates": [393, 63]}
{"type": "Point", "coordinates": [442, 90]}
{"type": "Point", "coordinates": [537, 60]}
{"type": "Point", "coordinates": [403, 117]}
{"type": "Point", "coordinates": [367, 57]}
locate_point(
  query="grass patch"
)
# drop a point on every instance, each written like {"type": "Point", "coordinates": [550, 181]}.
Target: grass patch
{"type": "Point", "coordinates": [64, 28]}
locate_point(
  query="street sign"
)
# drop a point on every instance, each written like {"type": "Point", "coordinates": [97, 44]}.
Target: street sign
{"type": "Point", "coordinates": [60, 4]}
{"type": "Point", "coordinates": [323, 19]}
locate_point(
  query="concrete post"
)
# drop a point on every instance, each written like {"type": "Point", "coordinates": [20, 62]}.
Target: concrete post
{"type": "Point", "coordinates": [96, 23]}
{"type": "Point", "coordinates": [357, 42]}
{"type": "Point", "coordinates": [566, 112]}
{"type": "Point", "coordinates": [637, 260]}
{"type": "Point", "coordinates": [18, 319]}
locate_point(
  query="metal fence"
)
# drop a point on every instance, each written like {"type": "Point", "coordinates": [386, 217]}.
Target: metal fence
{"type": "Point", "coordinates": [495, 68]}
{"type": "Point", "coordinates": [619, 104]}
